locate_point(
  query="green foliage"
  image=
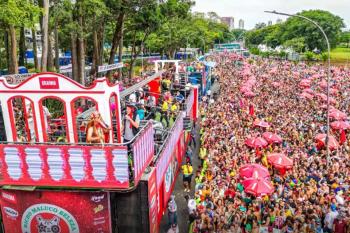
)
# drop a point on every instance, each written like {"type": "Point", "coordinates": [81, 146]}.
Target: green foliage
{"type": "Point", "coordinates": [254, 51]}
{"type": "Point", "coordinates": [324, 56]}
{"type": "Point", "coordinates": [298, 33]}
{"type": "Point", "coordinates": [309, 56]}
{"type": "Point", "coordinates": [18, 13]}
{"type": "Point", "coordinates": [297, 44]}
{"type": "Point", "coordinates": [30, 66]}
{"type": "Point", "coordinates": [297, 27]}
{"type": "Point", "coordinates": [180, 29]}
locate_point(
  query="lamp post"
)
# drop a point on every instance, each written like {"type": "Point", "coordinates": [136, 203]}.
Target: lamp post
{"type": "Point", "coordinates": [142, 48]}
{"type": "Point", "coordinates": [203, 45]}
{"type": "Point", "coordinates": [329, 67]}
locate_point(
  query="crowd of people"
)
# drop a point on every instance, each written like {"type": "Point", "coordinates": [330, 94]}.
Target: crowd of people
{"type": "Point", "coordinates": [313, 195]}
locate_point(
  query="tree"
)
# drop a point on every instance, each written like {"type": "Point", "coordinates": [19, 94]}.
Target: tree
{"type": "Point", "coordinates": [297, 44]}
{"type": "Point", "coordinates": [45, 34]}
{"type": "Point", "coordinates": [260, 25]}
{"type": "Point", "coordinates": [345, 38]}
{"type": "Point", "coordinates": [145, 20]}
{"type": "Point", "coordinates": [16, 13]}
{"type": "Point", "coordinates": [237, 34]}
{"type": "Point", "coordinates": [296, 27]}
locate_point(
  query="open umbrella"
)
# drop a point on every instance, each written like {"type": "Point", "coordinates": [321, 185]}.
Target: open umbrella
{"type": "Point", "coordinates": [260, 187]}
{"type": "Point", "coordinates": [279, 160]}
{"type": "Point", "coordinates": [337, 115]}
{"type": "Point", "coordinates": [340, 125]}
{"type": "Point", "coordinates": [260, 123]}
{"type": "Point", "coordinates": [323, 84]}
{"type": "Point", "coordinates": [309, 91]}
{"type": "Point", "coordinates": [258, 142]}
{"type": "Point", "coordinates": [248, 181]}
{"type": "Point", "coordinates": [245, 89]}
{"type": "Point", "coordinates": [253, 170]}
{"type": "Point", "coordinates": [249, 94]}
{"type": "Point", "coordinates": [306, 95]}
{"type": "Point", "coordinates": [272, 138]}
{"type": "Point", "coordinates": [305, 83]}
{"type": "Point", "coordinates": [321, 139]}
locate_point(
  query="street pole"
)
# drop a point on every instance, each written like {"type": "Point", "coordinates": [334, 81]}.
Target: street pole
{"type": "Point", "coordinates": [203, 45]}
{"type": "Point", "coordinates": [329, 68]}
{"type": "Point", "coordinates": [142, 46]}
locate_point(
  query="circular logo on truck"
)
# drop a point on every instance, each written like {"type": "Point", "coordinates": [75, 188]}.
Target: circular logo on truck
{"type": "Point", "coordinates": [47, 218]}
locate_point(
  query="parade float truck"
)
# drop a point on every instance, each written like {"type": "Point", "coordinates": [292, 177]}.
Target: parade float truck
{"type": "Point", "coordinates": [53, 181]}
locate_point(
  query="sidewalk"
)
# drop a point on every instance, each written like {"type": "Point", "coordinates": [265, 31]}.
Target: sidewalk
{"type": "Point", "coordinates": [182, 210]}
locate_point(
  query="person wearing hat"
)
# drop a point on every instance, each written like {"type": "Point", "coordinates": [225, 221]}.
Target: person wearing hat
{"type": "Point", "coordinates": [131, 123]}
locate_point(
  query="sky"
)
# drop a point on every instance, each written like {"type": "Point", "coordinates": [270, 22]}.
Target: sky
{"type": "Point", "coordinates": [252, 11]}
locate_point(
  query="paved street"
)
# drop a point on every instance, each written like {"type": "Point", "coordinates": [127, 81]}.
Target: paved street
{"type": "Point", "coordinates": [182, 212]}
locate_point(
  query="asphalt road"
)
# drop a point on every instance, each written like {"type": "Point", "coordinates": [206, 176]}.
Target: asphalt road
{"type": "Point", "coordinates": [182, 210]}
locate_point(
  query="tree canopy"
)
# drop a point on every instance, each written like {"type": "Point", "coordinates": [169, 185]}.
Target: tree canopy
{"type": "Point", "coordinates": [299, 33]}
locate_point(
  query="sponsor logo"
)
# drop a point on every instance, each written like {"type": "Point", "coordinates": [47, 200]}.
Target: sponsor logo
{"type": "Point", "coordinates": [98, 209]}
{"type": "Point", "coordinates": [49, 83]}
{"type": "Point", "coordinates": [9, 197]}
{"type": "Point", "coordinates": [97, 199]}
{"type": "Point", "coordinates": [45, 218]}
{"type": "Point", "coordinates": [11, 212]}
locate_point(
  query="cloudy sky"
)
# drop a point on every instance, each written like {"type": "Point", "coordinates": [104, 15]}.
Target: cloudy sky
{"type": "Point", "coordinates": [252, 11]}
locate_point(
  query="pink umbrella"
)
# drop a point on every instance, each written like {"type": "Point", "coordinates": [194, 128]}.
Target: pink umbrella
{"type": "Point", "coordinates": [272, 138]}
{"type": "Point", "coordinates": [258, 142]}
{"type": "Point", "coordinates": [305, 83]}
{"type": "Point", "coordinates": [333, 91]}
{"type": "Point", "coordinates": [260, 123]}
{"type": "Point", "coordinates": [337, 115]}
{"type": "Point", "coordinates": [276, 84]}
{"type": "Point", "coordinates": [280, 161]}
{"type": "Point", "coordinates": [253, 170]}
{"type": "Point", "coordinates": [245, 89]}
{"type": "Point", "coordinates": [249, 94]}
{"type": "Point", "coordinates": [248, 181]}
{"type": "Point", "coordinates": [260, 187]}
{"type": "Point", "coordinates": [309, 91]}
{"type": "Point", "coordinates": [323, 84]}
{"type": "Point", "coordinates": [321, 139]}
{"type": "Point", "coordinates": [306, 96]}
{"type": "Point", "coordinates": [340, 125]}
{"type": "Point", "coordinates": [322, 96]}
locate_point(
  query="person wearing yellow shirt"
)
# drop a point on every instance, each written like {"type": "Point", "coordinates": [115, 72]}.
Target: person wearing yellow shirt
{"type": "Point", "coordinates": [187, 171]}
{"type": "Point", "coordinates": [202, 153]}
{"type": "Point", "coordinates": [165, 113]}
{"type": "Point", "coordinates": [174, 109]}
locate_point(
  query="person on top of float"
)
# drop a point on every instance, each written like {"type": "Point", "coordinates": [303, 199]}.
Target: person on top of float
{"type": "Point", "coordinates": [95, 129]}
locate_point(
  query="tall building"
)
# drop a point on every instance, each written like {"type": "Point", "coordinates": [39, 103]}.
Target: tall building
{"type": "Point", "coordinates": [269, 23]}
{"type": "Point", "coordinates": [229, 21]}
{"type": "Point", "coordinates": [241, 24]}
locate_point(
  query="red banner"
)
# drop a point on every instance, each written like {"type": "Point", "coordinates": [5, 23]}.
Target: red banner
{"type": "Point", "coordinates": [49, 83]}
{"type": "Point", "coordinates": [56, 212]}
{"type": "Point", "coordinates": [153, 203]}
{"type": "Point", "coordinates": [66, 166]}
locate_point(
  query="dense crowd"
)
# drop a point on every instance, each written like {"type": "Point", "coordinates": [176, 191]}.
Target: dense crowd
{"type": "Point", "coordinates": [312, 196]}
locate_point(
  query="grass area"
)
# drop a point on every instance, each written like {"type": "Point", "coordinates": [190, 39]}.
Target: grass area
{"type": "Point", "coordinates": [340, 55]}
